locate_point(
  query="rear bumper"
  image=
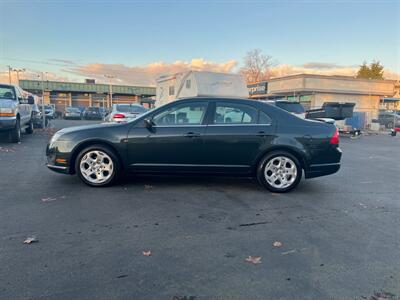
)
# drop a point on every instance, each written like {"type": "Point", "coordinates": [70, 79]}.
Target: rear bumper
{"type": "Point", "coordinates": [318, 170]}
{"type": "Point", "coordinates": [7, 123]}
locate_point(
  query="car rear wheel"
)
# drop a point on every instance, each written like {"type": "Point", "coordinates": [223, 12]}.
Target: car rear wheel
{"type": "Point", "coordinates": [97, 166]}
{"type": "Point", "coordinates": [15, 133]}
{"type": "Point", "coordinates": [279, 171]}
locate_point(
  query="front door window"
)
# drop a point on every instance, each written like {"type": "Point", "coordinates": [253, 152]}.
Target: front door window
{"type": "Point", "coordinates": [185, 114]}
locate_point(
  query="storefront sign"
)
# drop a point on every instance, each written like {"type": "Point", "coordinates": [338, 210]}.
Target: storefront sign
{"type": "Point", "coordinates": [259, 88]}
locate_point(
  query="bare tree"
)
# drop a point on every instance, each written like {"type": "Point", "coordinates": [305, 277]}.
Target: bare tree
{"type": "Point", "coordinates": [256, 66]}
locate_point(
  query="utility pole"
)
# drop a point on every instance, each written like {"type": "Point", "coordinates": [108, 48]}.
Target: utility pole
{"type": "Point", "coordinates": [110, 77]}
{"type": "Point", "coordinates": [18, 71]}
{"type": "Point", "coordinates": [43, 111]}
{"type": "Point", "coordinates": [9, 73]}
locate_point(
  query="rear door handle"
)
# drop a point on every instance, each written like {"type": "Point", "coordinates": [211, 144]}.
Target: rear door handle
{"type": "Point", "coordinates": [192, 134]}
{"type": "Point", "coordinates": [261, 133]}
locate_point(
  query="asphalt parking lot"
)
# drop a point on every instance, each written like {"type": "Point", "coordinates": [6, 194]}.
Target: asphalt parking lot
{"type": "Point", "coordinates": [340, 234]}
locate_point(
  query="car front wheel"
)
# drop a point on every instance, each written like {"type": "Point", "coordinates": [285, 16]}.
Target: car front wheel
{"type": "Point", "coordinates": [15, 133]}
{"type": "Point", "coordinates": [97, 166]}
{"type": "Point", "coordinates": [29, 129]}
{"type": "Point", "coordinates": [279, 172]}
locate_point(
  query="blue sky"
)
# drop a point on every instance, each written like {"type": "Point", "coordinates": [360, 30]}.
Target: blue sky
{"type": "Point", "coordinates": [137, 33]}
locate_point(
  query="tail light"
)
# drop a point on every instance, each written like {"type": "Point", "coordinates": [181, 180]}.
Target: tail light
{"type": "Point", "coordinates": [335, 138]}
{"type": "Point", "coordinates": [119, 116]}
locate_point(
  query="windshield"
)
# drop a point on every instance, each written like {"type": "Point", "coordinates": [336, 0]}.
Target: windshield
{"type": "Point", "coordinates": [7, 92]}
{"type": "Point", "coordinates": [296, 108]}
{"type": "Point", "coordinates": [94, 109]}
{"type": "Point", "coordinates": [131, 108]}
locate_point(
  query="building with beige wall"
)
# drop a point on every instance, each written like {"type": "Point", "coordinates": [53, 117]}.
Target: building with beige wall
{"type": "Point", "coordinates": [63, 94]}
{"type": "Point", "coordinates": [313, 90]}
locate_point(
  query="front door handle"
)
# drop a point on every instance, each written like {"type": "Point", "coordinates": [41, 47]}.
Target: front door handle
{"type": "Point", "coordinates": [192, 134]}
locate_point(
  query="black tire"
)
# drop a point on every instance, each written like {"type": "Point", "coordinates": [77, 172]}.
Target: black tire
{"type": "Point", "coordinates": [115, 161]}
{"type": "Point", "coordinates": [15, 133]}
{"type": "Point", "coordinates": [29, 129]}
{"type": "Point", "coordinates": [269, 157]}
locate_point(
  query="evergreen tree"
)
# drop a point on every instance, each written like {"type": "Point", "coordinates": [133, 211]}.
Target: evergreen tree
{"type": "Point", "coordinates": [373, 71]}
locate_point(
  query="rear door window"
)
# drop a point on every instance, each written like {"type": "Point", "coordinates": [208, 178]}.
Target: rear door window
{"type": "Point", "coordinates": [234, 113]}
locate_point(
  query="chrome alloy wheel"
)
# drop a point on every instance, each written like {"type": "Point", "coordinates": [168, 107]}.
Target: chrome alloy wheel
{"type": "Point", "coordinates": [280, 172]}
{"type": "Point", "coordinates": [96, 166]}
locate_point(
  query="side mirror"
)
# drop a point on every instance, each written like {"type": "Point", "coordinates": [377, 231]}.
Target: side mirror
{"type": "Point", "coordinates": [148, 123]}
{"type": "Point", "coordinates": [31, 100]}
{"type": "Point", "coordinates": [22, 100]}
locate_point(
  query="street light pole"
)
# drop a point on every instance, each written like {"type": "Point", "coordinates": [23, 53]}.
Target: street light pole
{"type": "Point", "coordinates": [110, 77]}
{"type": "Point", "coordinates": [9, 74]}
{"type": "Point", "coordinates": [43, 111]}
{"type": "Point", "coordinates": [18, 71]}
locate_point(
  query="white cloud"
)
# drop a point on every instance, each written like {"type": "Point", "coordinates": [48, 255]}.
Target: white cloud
{"type": "Point", "coordinates": [147, 75]}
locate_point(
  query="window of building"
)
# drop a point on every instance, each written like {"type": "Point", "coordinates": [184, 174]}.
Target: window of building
{"type": "Point", "coordinates": [188, 83]}
{"type": "Point", "coordinates": [226, 113]}
{"type": "Point", "coordinates": [171, 90]}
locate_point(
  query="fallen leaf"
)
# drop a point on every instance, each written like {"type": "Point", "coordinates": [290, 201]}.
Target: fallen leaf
{"type": "Point", "coordinates": [147, 253]}
{"type": "Point", "coordinates": [254, 259]}
{"type": "Point", "coordinates": [277, 244]}
{"type": "Point", "coordinates": [30, 240]}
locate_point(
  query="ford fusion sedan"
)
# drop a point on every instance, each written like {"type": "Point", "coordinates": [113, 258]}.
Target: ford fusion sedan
{"type": "Point", "coordinates": [201, 135]}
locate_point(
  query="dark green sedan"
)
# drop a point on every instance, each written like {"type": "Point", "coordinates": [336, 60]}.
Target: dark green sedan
{"type": "Point", "coordinates": [201, 135]}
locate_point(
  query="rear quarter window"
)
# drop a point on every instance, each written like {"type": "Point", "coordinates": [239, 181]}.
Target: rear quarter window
{"type": "Point", "coordinates": [263, 118]}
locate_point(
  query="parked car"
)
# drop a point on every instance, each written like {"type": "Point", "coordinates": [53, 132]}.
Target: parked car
{"type": "Point", "coordinates": [388, 118]}
{"type": "Point", "coordinates": [49, 111]}
{"type": "Point", "coordinates": [72, 113]}
{"type": "Point", "coordinates": [125, 112]}
{"type": "Point", "coordinates": [37, 117]}
{"type": "Point", "coordinates": [103, 112]}
{"type": "Point", "coordinates": [297, 109]}
{"type": "Point", "coordinates": [15, 111]}
{"type": "Point", "coordinates": [290, 106]}
{"type": "Point", "coordinates": [92, 113]}
{"type": "Point", "coordinates": [193, 136]}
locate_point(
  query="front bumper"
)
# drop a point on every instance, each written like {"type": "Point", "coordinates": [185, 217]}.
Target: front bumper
{"type": "Point", "coordinates": [7, 123]}
{"type": "Point", "coordinates": [52, 155]}
{"type": "Point", "coordinates": [58, 169]}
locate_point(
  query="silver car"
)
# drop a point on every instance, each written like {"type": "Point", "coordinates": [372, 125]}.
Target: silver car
{"type": "Point", "coordinates": [72, 113]}
{"type": "Point", "coordinates": [125, 112]}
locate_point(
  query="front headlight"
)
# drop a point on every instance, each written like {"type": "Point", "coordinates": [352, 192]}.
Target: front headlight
{"type": "Point", "coordinates": [55, 137]}
{"type": "Point", "coordinates": [7, 112]}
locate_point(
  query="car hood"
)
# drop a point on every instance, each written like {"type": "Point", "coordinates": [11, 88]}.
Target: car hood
{"type": "Point", "coordinates": [86, 127]}
{"type": "Point", "coordinates": [4, 103]}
